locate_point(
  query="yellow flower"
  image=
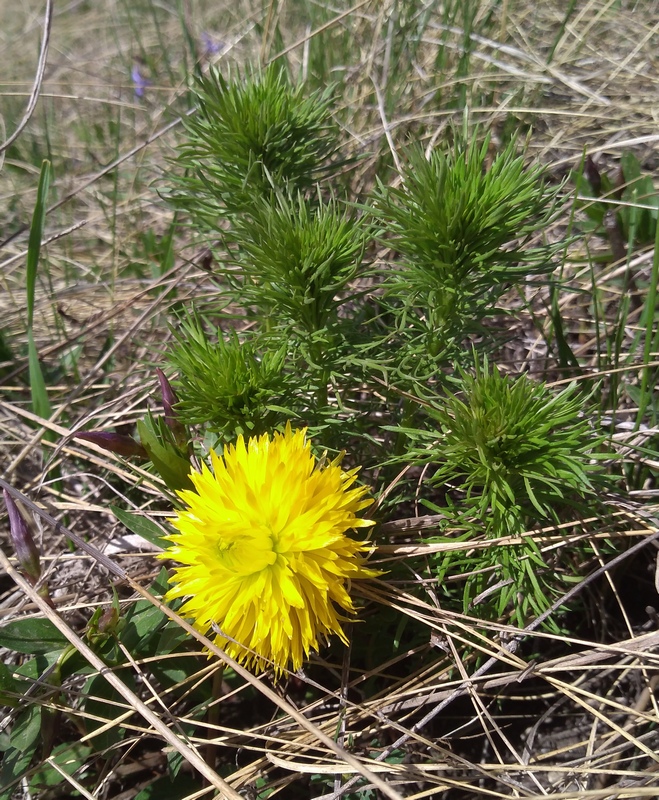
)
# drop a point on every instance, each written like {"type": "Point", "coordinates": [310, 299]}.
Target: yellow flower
{"type": "Point", "coordinates": [263, 540]}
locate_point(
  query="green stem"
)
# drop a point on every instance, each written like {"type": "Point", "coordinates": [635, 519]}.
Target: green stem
{"type": "Point", "coordinates": [321, 394]}
{"type": "Point", "coordinates": [401, 438]}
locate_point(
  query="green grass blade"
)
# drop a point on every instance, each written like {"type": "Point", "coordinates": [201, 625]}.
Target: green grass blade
{"type": "Point", "coordinates": [561, 31]}
{"type": "Point", "coordinates": [34, 242]}
{"type": "Point", "coordinates": [567, 361]}
{"type": "Point", "coordinates": [40, 402]}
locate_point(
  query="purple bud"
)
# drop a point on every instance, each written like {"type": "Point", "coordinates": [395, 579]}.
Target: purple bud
{"type": "Point", "coordinates": [108, 620]}
{"type": "Point", "coordinates": [169, 400]}
{"type": "Point", "coordinates": [211, 45]}
{"type": "Point", "coordinates": [139, 82]}
{"type": "Point", "coordinates": [115, 443]}
{"type": "Point", "coordinates": [21, 537]}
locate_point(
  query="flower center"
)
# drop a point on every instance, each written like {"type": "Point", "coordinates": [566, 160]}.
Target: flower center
{"type": "Point", "coordinates": [246, 555]}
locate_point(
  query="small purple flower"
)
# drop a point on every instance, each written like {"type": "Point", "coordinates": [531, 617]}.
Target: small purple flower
{"type": "Point", "coordinates": [139, 82]}
{"type": "Point", "coordinates": [27, 551]}
{"type": "Point", "coordinates": [211, 45]}
{"type": "Point", "coordinates": [21, 537]}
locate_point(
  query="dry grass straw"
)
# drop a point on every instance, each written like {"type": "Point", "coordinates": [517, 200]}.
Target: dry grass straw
{"type": "Point", "coordinates": [581, 724]}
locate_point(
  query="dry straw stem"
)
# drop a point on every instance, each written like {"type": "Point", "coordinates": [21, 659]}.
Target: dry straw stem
{"type": "Point", "coordinates": [271, 20]}
{"type": "Point", "coordinates": [466, 685]}
{"type": "Point", "coordinates": [149, 311]}
{"type": "Point", "coordinates": [41, 67]}
{"type": "Point", "coordinates": [506, 652]}
{"type": "Point", "coordinates": [66, 434]}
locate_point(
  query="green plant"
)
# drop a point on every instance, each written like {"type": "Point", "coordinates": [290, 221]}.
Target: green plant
{"type": "Point", "coordinates": [298, 260]}
{"type": "Point", "coordinates": [50, 664]}
{"type": "Point", "coordinates": [227, 384]}
{"type": "Point", "coordinates": [248, 140]}
{"type": "Point", "coordinates": [40, 401]}
{"type": "Point", "coordinates": [462, 231]}
{"type": "Point", "coordinates": [510, 456]}
{"type": "Point", "coordinates": [512, 446]}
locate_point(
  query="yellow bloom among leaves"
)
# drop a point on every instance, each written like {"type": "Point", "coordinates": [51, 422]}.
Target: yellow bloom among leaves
{"type": "Point", "coordinates": [265, 552]}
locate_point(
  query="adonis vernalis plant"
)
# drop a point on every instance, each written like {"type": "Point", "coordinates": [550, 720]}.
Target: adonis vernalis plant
{"type": "Point", "coordinates": [229, 385]}
{"type": "Point", "coordinates": [251, 139]}
{"type": "Point", "coordinates": [264, 549]}
{"type": "Point", "coordinates": [348, 301]}
{"type": "Point", "coordinates": [465, 225]}
{"type": "Point", "coordinates": [510, 454]}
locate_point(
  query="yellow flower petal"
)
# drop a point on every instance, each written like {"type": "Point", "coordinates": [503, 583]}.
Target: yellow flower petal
{"type": "Point", "coordinates": [264, 549]}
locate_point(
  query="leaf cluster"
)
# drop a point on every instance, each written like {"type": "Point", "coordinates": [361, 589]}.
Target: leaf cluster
{"type": "Point", "coordinates": [461, 228]}
{"type": "Point", "coordinates": [248, 140]}
{"type": "Point", "coordinates": [226, 383]}
{"type": "Point", "coordinates": [53, 667]}
{"type": "Point", "coordinates": [298, 260]}
{"type": "Point", "coordinates": [510, 454]}
{"type": "Point", "coordinates": [169, 459]}
{"type": "Point", "coordinates": [511, 445]}
{"type": "Point", "coordinates": [252, 154]}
